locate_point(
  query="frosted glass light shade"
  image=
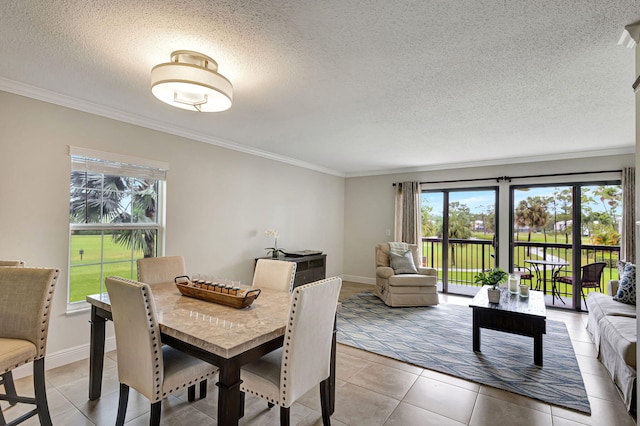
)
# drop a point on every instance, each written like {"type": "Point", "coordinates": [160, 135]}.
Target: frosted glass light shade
{"type": "Point", "coordinates": [191, 81]}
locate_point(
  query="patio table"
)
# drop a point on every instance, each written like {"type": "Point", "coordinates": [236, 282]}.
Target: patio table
{"type": "Point", "coordinates": [556, 267]}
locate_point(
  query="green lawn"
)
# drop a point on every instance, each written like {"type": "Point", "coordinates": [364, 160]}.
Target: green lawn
{"type": "Point", "coordinates": [87, 274]}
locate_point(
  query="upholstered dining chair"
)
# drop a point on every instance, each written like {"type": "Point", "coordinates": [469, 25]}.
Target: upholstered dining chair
{"type": "Point", "coordinates": [6, 379]}
{"type": "Point", "coordinates": [156, 270]}
{"type": "Point", "coordinates": [144, 363]}
{"type": "Point", "coordinates": [284, 375]}
{"type": "Point", "coordinates": [17, 263]}
{"type": "Point", "coordinates": [275, 274]}
{"type": "Point", "coordinates": [25, 301]}
{"type": "Point", "coordinates": [590, 277]}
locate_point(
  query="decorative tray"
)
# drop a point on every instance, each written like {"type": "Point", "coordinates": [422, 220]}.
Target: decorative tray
{"type": "Point", "coordinates": [233, 297]}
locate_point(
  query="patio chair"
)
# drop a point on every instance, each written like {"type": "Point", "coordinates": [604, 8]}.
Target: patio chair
{"type": "Point", "coordinates": [591, 275]}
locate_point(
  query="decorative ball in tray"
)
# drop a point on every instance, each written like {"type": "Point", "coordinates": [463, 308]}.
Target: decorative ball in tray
{"type": "Point", "coordinates": [227, 295]}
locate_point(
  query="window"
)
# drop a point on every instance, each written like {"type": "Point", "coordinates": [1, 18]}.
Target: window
{"type": "Point", "coordinates": [115, 218]}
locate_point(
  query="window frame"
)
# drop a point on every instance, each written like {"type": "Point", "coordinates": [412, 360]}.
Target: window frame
{"type": "Point", "coordinates": [126, 166]}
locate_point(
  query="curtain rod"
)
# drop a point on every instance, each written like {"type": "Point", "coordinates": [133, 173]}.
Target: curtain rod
{"type": "Point", "coordinates": [508, 178]}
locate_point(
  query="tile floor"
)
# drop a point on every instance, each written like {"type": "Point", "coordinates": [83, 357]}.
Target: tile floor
{"type": "Point", "coordinates": [371, 390]}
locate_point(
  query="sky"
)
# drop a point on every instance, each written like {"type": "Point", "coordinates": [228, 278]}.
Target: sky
{"type": "Point", "coordinates": [479, 201]}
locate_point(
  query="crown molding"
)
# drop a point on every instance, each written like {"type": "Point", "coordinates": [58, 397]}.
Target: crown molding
{"type": "Point", "coordinates": [630, 35]}
{"type": "Point", "coordinates": [51, 97]}
{"type": "Point", "coordinates": [624, 150]}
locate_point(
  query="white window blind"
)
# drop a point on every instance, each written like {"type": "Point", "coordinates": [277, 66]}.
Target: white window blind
{"type": "Point", "coordinates": [86, 160]}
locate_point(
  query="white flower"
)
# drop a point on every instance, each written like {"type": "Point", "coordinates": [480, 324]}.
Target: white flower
{"type": "Point", "coordinates": [271, 233]}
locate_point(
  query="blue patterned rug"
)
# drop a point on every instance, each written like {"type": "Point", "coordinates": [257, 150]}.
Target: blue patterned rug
{"type": "Point", "coordinates": [440, 338]}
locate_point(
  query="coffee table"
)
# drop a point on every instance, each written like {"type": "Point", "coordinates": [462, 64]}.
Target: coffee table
{"type": "Point", "coordinates": [514, 314]}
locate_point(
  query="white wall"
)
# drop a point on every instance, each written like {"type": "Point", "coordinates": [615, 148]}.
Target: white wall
{"type": "Point", "coordinates": [219, 202]}
{"type": "Point", "coordinates": [369, 203]}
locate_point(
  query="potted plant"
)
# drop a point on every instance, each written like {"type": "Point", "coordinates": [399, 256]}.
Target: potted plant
{"type": "Point", "coordinates": [273, 251]}
{"type": "Point", "coordinates": [492, 277]}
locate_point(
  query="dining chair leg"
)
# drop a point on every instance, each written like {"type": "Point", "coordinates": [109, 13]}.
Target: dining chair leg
{"type": "Point", "coordinates": [122, 404]}
{"type": "Point", "coordinates": [203, 389]}
{"type": "Point", "coordinates": [284, 416]}
{"type": "Point", "coordinates": [241, 407]}
{"type": "Point", "coordinates": [156, 408]}
{"type": "Point", "coordinates": [3, 422]}
{"type": "Point", "coordinates": [325, 402]}
{"type": "Point", "coordinates": [40, 391]}
{"type": "Point", "coordinates": [9, 386]}
{"type": "Point", "coordinates": [191, 393]}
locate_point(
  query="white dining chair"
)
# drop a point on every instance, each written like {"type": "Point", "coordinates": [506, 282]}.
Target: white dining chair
{"type": "Point", "coordinates": [144, 363]}
{"type": "Point", "coordinates": [25, 302]}
{"type": "Point", "coordinates": [274, 274]}
{"type": "Point", "coordinates": [156, 270]}
{"type": "Point", "coordinates": [284, 375]}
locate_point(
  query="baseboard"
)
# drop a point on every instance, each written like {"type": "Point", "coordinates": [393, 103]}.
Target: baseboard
{"type": "Point", "coordinates": [64, 357]}
{"type": "Point", "coordinates": [358, 279]}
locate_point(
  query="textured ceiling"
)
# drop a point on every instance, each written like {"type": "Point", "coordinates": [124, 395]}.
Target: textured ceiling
{"type": "Point", "coordinates": [347, 87]}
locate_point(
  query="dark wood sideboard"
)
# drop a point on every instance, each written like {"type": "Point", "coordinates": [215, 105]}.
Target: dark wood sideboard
{"type": "Point", "coordinates": [309, 268]}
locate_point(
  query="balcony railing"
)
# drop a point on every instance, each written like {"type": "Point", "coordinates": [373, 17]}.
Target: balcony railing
{"type": "Point", "coordinates": [467, 257]}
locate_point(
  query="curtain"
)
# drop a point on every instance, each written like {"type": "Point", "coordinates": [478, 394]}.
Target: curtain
{"type": "Point", "coordinates": [408, 217]}
{"type": "Point", "coordinates": [627, 245]}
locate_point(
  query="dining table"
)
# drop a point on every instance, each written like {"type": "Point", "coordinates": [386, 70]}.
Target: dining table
{"type": "Point", "coordinates": [555, 267]}
{"type": "Point", "coordinates": [224, 336]}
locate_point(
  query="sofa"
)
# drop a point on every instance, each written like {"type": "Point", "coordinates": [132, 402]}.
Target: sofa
{"type": "Point", "coordinates": [612, 325]}
{"type": "Point", "coordinates": [404, 288]}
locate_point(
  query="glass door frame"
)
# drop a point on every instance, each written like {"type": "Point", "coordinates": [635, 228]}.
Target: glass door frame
{"type": "Point", "coordinates": [445, 225]}
{"type": "Point", "coordinates": [576, 233]}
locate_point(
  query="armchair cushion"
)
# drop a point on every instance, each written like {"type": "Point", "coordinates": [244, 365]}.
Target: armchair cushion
{"type": "Point", "coordinates": [403, 264]}
{"type": "Point", "coordinates": [627, 289]}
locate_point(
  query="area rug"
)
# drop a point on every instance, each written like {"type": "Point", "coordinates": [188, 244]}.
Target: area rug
{"type": "Point", "coordinates": [440, 338]}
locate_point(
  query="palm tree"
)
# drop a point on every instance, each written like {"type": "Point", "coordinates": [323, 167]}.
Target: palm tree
{"type": "Point", "coordinates": [459, 224]}
{"type": "Point", "coordinates": [610, 198]}
{"type": "Point", "coordinates": [97, 198]}
{"type": "Point", "coordinates": [531, 213]}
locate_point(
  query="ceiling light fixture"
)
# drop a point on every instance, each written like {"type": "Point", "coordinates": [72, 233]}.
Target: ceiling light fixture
{"type": "Point", "coordinates": [191, 81]}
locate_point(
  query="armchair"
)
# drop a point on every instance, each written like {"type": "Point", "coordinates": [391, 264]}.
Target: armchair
{"type": "Point", "coordinates": [404, 289]}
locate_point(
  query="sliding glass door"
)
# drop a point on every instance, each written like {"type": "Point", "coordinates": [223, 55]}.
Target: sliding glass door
{"type": "Point", "coordinates": [459, 235]}
{"type": "Point", "coordinates": [559, 229]}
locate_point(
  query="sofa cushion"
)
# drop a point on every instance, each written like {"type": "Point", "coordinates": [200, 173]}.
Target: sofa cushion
{"type": "Point", "coordinates": [600, 305]}
{"type": "Point", "coordinates": [620, 332]}
{"type": "Point", "coordinates": [627, 289]}
{"type": "Point", "coordinates": [403, 264]}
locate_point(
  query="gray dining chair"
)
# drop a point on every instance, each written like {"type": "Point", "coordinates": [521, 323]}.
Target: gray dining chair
{"type": "Point", "coordinates": [153, 369]}
{"type": "Point", "coordinates": [25, 303]}
{"type": "Point", "coordinates": [156, 270]}
{"type": "Point", "coordinates": [274, 274]}
{"type": "Point", "coordinates": [284, 375]}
